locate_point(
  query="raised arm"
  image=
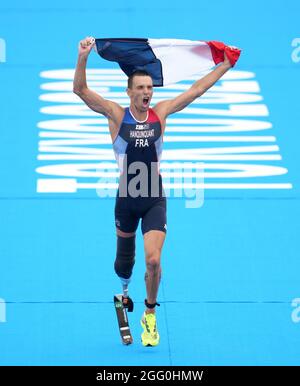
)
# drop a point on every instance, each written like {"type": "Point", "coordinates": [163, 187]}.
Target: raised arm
{"type": "Point", "coordinates": [171, 106]}
{"type": "Point", "coordinates": [94, 101]}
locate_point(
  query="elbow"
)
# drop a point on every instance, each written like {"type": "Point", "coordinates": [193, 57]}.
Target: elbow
{"type": "Point", "coordinates": [77, 91]}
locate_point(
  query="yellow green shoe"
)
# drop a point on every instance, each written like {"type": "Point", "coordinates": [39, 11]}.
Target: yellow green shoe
{"type": "Point", "coordinates": [150, 335]}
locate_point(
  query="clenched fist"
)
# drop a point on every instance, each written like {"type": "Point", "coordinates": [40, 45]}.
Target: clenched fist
{"type": "Point", "coordinates": [86, 45]}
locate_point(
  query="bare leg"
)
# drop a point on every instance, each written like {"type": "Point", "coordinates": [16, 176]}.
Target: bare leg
{"type": "Point", "coordinates": [153, 243]}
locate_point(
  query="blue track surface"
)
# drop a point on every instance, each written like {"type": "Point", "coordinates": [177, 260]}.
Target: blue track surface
{"type": "Point", "coordinates": [230, 268]}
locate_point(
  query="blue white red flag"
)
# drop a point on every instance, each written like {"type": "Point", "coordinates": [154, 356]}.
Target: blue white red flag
{"type": "Point", "coordinates": [167, 60]}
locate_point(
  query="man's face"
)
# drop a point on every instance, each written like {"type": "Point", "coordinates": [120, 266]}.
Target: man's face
{"type": "Point", "coordinates": [141, 92]}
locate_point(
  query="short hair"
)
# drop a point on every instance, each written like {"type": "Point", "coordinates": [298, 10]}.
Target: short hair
{"type": "Point", "coordinates": [136, 73]}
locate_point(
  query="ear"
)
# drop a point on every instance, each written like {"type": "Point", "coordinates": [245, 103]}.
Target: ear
{"type": "Point", "coordinates": [128, 91]}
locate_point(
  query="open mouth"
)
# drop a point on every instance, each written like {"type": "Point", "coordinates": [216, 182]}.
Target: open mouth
{"type": "Point", "coordinates": [145, 101]}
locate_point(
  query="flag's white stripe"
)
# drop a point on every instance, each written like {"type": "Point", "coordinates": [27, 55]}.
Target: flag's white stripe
{"type": "Point", "coordinates": [181, 58]}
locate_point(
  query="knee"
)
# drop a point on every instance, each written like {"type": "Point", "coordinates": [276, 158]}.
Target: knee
{"type": "Point", "coordinates": [153, 260]}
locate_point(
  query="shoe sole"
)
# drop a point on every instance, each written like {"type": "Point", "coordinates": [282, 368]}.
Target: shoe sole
{"type": "Point", "coordinates": [149, 345]}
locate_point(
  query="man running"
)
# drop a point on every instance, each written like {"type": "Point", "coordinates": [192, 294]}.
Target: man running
{"type": "Point", "coordinates": [136, 134]}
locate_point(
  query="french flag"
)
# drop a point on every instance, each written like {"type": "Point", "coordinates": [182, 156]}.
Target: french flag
{"type": "Point", "coordinates": [167, 60]}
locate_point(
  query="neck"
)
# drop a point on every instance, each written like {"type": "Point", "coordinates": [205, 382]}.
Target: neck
{"type": "Point", "coordinates": [138, 115]}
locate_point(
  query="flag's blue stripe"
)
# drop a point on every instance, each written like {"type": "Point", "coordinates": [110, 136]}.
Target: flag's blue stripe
{"type": "Point", "coordinates": [132, 55]}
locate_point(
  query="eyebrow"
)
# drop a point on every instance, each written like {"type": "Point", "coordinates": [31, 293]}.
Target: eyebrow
{"type": "Point", "coordinates": [142, 85]}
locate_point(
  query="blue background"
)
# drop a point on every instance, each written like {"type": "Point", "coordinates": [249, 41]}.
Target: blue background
{"type": "Point", "coordinates": [230, 268]}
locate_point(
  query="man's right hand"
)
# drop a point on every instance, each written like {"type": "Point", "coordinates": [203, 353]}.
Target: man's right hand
{"type": "Point", "coordinates": [85, 46]}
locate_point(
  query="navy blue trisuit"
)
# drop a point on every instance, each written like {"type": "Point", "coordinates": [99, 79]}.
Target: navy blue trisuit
{"type": "Point", "coordinates": [138, 148]}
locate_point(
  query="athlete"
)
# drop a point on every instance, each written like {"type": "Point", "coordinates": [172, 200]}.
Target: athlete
{"type": "Point", "coordinates": [136, 134]}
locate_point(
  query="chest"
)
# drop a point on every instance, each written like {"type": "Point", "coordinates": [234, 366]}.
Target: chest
{"type": "Point", "coordinates": [140, 135]}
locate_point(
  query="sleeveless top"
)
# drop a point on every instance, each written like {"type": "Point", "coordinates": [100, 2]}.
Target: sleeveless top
{"type": "Point", "coordinates": [138, 149]}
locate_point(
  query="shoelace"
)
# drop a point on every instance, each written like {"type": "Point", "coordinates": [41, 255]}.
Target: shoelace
{"type": "Point", "coordinates": [150, 322]}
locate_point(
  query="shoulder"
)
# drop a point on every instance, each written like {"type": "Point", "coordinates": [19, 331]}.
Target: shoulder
{"type": "Point", "coordinates": [156, 114]}
{"type": "Point", "coordinates": [162, 109]}
{"type": "Point", "coordinates": [153, 115]}
{"type": "Point", "coordinates": [159, 110]}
